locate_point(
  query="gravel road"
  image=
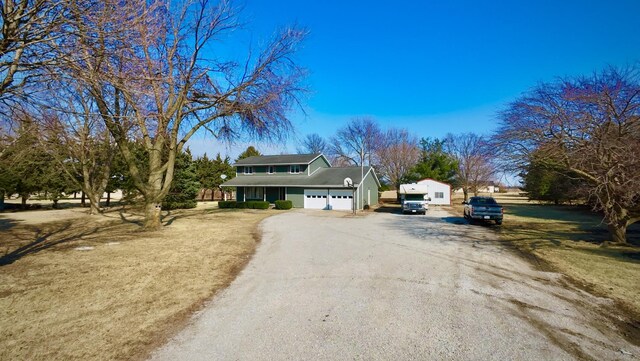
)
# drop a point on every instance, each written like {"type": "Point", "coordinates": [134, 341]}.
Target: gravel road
{"type": "Point", "coordinates": [329, 286]}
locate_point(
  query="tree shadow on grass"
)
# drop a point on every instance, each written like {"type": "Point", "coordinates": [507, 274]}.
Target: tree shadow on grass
{"type": "Point", "coordinates": [630, 255]}
{"type": "Point", "coordinates": [7, 223]}
{"type": "Point", "coordinates": [43, 239]}
{"type": "Point", "coordinates": [30, 240]}
{"type": "Point", "coordinates": [136, 216]}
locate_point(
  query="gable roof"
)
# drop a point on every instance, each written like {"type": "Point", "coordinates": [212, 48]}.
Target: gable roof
{"type": "Point", "coordinates": [284, 159]}
{"type": "Point", "coordinates": [324, 177]}
{"type": "Point", "coordinates": [422, 181]}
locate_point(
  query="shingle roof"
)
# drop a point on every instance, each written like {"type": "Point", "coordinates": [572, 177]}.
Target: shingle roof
{"type": "Point", "coordinates": [323, 177]}
{"type": "Point", "coordinates": [284, 159]}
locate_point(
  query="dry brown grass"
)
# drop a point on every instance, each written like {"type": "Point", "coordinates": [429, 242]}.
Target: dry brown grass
{"type": "Point", "coordinates": [124, 297]}
{"type": "Point", "coordinates": [571, 240]}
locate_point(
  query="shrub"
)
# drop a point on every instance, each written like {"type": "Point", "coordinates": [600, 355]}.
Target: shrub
{"type": "Point", "coordinates": [284, 205]}
{"type": "Point", "coordinates": [227, 204]}
{"type": "Point", "coordinates": [260, 205]}
{"type": "Point", "coordinates": [179, 204]}
{"type": "Point", "coordinates": [244, 205]}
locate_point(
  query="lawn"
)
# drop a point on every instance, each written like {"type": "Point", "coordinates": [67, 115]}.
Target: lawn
{"type": "Point", "coordinates": [569, 239]}
{"type": "Point", "coordinates": [74, 286]}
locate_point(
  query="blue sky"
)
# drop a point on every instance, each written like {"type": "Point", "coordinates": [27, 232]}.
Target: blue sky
{"type": "Point", "coordinates": [435, 67]}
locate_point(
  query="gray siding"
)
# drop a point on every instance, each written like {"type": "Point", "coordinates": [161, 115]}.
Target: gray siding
{"type": "Point", "coordinates": [318, 163]}
{"type": "Point", "coordinates": [262, 170]}
{"type": "Point", "coordinates": [370, 185]}
{"type": "Point", "coordinates": [296, 196]}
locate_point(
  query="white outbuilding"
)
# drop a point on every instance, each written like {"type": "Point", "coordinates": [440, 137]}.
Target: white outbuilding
{"type": "Point", "coordinates": [440, 193]}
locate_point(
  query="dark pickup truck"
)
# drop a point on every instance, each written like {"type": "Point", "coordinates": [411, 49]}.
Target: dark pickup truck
{"type": "Point", "coordinates": [483, 209]}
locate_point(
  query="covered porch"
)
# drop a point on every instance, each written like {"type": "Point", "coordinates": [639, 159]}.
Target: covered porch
{"type": "Point", "coordinates": [269, 194]}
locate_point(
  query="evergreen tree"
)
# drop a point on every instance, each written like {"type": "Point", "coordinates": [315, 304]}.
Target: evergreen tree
{"type": "Point", "coordinates": [185, 186]}
{"type": "Point", "coordinates": [435, 163]}
{"type": "Point", "coordinates": [209, 172]}
{"type": "Point", "coordinates": [545, 181]}
{"type": "Point", "coordinates": [251, 151]}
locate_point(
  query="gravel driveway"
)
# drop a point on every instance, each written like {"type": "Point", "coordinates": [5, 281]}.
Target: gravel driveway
{"type": "Point", "coordinates": [328, 286]}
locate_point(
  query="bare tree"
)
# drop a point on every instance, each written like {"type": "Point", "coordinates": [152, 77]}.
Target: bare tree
{"type": "Point", "coordinates": [26, 27]}
{"type": "Point", "coordinates": [475, 161]}
{"type": "Point", "coordinates": [76, 137]}
{"type": "Point", "coordinates": [397, 155]}
{"type": "Point", "coordinates": [313, 144]}
{"type": "Point", "coordinates": [591, 126]}
{"type": "Point", "coordinates": [357, 142]}
{"type": "Point", "coordinates": [157, 58]}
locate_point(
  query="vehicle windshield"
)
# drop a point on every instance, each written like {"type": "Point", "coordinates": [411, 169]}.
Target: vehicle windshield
{"type": "Point", "coordinates": [481, 200]}
{"type": "Point", "coordinates": [414, 197]}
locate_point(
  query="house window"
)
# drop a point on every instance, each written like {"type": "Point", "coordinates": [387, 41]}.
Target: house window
{"type": "Point", "coordinates": [271, 169]}
{"type": "Point", "coordinates": [254, 193]}
{"type": "Point", "coordinates": [439, 195]}
{"type": "Point", "coordinates": [294, 169]}
{"type": "Point", "coordinates": [248, 170]}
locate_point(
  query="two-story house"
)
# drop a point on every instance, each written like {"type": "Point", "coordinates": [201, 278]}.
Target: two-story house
{"type": "Point", "coordinates": [307, 180]}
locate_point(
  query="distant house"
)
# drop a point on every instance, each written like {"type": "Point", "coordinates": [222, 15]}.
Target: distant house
{"type": "Point", "coordinates": [438, 193]}
{"type": "Point", "coordinates": [307, 180]}
{"type": "Point", "coordinates": [486, 187]}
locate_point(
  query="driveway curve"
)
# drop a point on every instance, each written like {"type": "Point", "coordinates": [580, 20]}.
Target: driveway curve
{"type": "Point", "coordinates": [329, 286]}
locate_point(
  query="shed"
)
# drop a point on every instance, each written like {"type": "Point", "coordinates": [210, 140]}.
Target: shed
{"type": "Point", "coordinates": [439, 192]}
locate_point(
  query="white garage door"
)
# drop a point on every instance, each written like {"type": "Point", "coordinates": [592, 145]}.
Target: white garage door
{"type": "Point", "coordinates": [341, 199]}
{"type": "Point", "coordinates": [315, 199]}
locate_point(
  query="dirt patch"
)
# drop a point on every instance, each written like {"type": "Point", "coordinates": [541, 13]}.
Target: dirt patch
{"type": "Point", "coordinates": [125, 296]}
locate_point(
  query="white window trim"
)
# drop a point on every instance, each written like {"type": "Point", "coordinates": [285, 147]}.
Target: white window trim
{"type": "Point", "coordinates": [271, 169]}
{"type": "Point", "coordinates": [291, 167]}
{"type": "Point", "coordinates": [254, 192]}
{"type": "Point", "coordinates": [245, 170]}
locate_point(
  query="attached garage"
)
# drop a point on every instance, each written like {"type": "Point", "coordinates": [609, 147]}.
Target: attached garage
{"type": "Point", "coordinates": [337, 199]}
{"type": "Point", "coordinates": [315, 198]}
{"type": "Point", "coordinates": [341, 199]}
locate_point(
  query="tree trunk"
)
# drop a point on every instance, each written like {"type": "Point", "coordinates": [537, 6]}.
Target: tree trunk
{"type": "Point", "coordinates": [108, 199]}
{"type": "Point", "coordinates": [1, 200]}
{"type": "Point", "coordinates": [465, 192]}
{"type": "Point", "coordinates": [94, 203]}
{"type": "Point", "coordinates": [55, 203]}
{"type": "Point", "coordinates": [82, 200]}
{"type": "Point", "coordinates": [204, 192]}
{"type": "Point", "coordinates": [618, 232]}
{"type": "Point", "coordinates": [24, 200]}
{"type": "Point", "coordinates": [213, 193]}
{"type": "Point", "coordinates": [152, 212]}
